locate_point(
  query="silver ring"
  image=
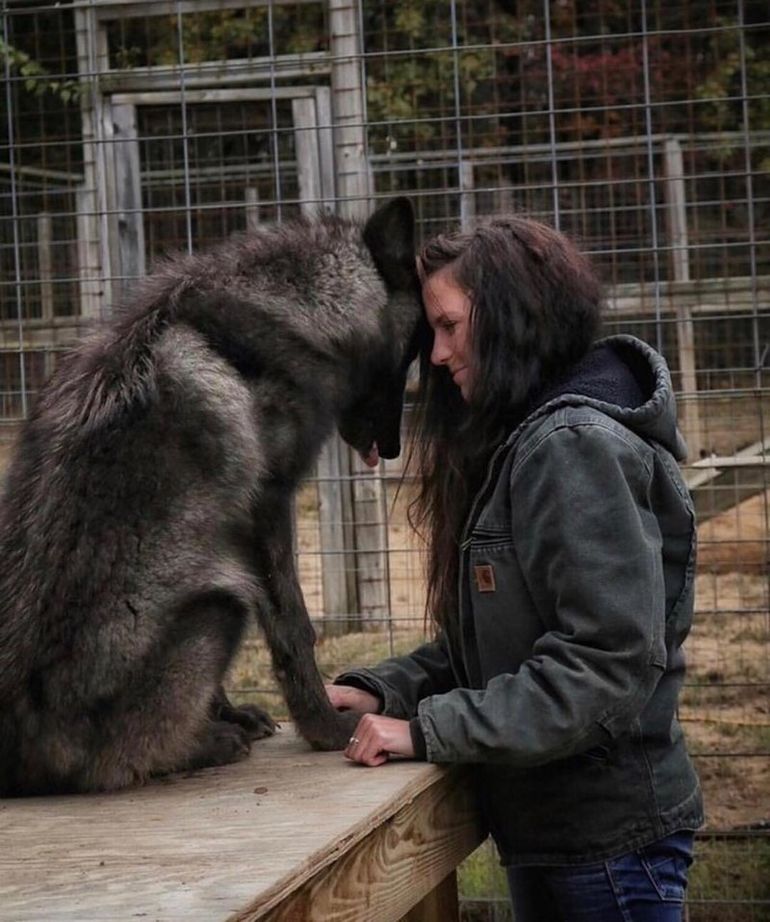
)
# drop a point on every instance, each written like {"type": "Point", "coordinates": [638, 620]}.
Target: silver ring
{"type": "Point", "coordinates": [354, 739]}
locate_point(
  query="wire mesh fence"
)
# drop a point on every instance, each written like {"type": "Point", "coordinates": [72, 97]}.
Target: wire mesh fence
{"type": "Point", "coordinates": [132, 128]}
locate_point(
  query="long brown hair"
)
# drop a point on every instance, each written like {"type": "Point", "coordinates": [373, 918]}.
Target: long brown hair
{"type": "Point", "coordinates": [535, 308]}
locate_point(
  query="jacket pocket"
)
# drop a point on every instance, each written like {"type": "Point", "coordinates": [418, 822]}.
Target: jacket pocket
{"type": "Point", "coordinates": [484, 536]}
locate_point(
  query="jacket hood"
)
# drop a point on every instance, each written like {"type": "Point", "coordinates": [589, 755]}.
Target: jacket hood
{"type": "Point", "coordinates": [627, 380]}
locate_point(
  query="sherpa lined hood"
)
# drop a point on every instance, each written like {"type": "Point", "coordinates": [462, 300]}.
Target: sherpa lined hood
{"type": "Point", "coordinates": [626, 379]}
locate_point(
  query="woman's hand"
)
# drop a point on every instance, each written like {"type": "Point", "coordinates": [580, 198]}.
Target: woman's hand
{"type": "Point", "coordinates": [347, 698]}
{"type": "Point", "coordinates": [376, 738]}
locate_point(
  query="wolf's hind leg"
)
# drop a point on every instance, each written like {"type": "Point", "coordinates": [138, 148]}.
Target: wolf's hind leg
{"type": "Point", "coordinates": [161, 722]}
{"type": "Point", "coordinates": [219, 744]}
{"type": "Point", "coordinates": [257, 723]}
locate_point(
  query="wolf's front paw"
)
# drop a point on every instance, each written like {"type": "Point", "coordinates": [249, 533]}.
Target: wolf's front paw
{"type": "Point", "coordinates": [336, 732]}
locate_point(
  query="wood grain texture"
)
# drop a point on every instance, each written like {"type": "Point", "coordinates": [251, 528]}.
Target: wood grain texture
{"type": "Point", "coordinates": [396, 864]}
{"type": "Point", "coordinates": [440, 905]}
{"type": "Point", "coordinates": [230, 842]}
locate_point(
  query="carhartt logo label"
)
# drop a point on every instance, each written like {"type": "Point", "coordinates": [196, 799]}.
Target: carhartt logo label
{"type": "Point", "coordinates": [485, 577]}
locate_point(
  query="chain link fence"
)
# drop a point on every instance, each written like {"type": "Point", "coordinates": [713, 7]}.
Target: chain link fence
{"type": "Point", "coordinates": [131, 128]}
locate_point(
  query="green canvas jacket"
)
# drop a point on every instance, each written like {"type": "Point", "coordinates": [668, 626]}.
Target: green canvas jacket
{"type": "Point", "coordinates": [576, 593]}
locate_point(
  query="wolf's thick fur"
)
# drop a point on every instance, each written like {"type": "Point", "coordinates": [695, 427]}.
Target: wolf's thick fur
{"type": "Point", "coordinates": [146, 513]}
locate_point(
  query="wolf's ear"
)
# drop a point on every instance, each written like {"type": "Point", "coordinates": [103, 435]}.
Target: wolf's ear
{"type": "Point", "coordinates": [389, 235]}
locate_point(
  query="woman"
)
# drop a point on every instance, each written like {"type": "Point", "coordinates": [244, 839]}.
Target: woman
{"type": "Point", "coordinates": [560, 579]}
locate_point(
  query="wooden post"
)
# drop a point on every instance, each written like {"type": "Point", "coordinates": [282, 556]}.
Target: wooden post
{"type": "Point", "coordinates": [354, 187]}
{"type": "Point", "coordinates": [440, 905]}
{"type": "Point", "coordinates": [94, 251]}
{"type": "Point", "coordinates": [467, 194]}
{"type": "Point", "coordinates": [307, 153]}
{"type": "Point", "coordinates": [348, 107]}
{"type": "Point", "coordinates": [44, 265]}
{"type": "Point", "coordinates": [340, 597]}
{"type": "Point", "coordinates": [335, 501]}
{"type": "Point", "coordinates": [676, 210]}
{"type": "Point", "coordinates": [251, 197]}
{"type": "Point", "coordinates": [128, 195]}
{"type": "Point", "coordinates": [676, 225]}
{"type": "Point", "coordinates": [371, 537]}
{"type": "Point", "coordinates": [325, 145]}
{"type": "Point", "coordinates": [89, 266]}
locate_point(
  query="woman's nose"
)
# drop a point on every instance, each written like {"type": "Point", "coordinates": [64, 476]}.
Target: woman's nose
{"type": "Point", "coordinates": [440, 352]}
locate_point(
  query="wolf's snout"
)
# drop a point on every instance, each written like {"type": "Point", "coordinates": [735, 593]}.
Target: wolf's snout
{"type": "Point", "coordinates": [371, 457]}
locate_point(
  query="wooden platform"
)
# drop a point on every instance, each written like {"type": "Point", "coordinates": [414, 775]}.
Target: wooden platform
{"type": "Point", "coordinates": [289, 834]}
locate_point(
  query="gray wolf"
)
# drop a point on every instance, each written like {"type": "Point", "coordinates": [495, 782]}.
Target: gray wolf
{"type": "Point", "coordinates": [146, 512]}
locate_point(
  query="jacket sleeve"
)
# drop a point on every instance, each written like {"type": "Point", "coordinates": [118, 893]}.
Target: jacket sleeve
{"type": "Point", "coordinates": [401, 682]}
{"type": "Point", "coordinates": [589, 548]}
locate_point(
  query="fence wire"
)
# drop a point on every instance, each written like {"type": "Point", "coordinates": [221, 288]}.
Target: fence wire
{"type": "Point", "coordinates": [134, 128]}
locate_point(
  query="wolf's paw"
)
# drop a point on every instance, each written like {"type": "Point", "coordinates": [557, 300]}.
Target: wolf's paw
{"type": "Point", "coordinates": [253, 720]}
{"type": "Point", "coordinates": [334, 734]}
{"type": "Point", "coordinates": [223, 743]}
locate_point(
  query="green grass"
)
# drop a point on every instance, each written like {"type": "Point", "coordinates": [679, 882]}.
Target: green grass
{"type": "Point", "coordinates": [730, 880]}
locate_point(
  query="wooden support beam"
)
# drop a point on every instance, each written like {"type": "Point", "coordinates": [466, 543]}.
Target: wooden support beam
{"type": "Point", "coordinates": [126, 9]}
{"type": "Point", "coordinates": [338, 582]}
{"type": "Point", "coordinates": [217, 73]}
{"type": "Point", "coordinates": [467, 194]}
{"type": "Point", "coordinates": [676, 225]}
{"type": "Point", "coordinates": [251, 196]}
{"type": "Point", "coordinates": [129, 225]}
{"type": "Point", "coordinates": [440, 905]}
{"type": "Point", "coordinates": [44, 265]}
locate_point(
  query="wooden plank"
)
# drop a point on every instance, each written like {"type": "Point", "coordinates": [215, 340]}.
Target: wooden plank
{"type": "Point", "coordinates": [238, 841]}
{"type": "Point", "coordinates": [392, 870]}
{"type": "Point", "coordinates": [233, 94]}
{"type": "Point", "coordinates": [125, 9]}
{"type": "Point", "coordinates": [219, 73]}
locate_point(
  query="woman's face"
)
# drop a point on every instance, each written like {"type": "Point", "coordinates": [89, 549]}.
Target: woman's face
{"type": "Point", "coordinates": [448, 309]}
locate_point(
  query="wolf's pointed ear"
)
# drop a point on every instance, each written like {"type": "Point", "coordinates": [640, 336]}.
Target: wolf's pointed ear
{"type": "Point", "coordinates": [389, 235]}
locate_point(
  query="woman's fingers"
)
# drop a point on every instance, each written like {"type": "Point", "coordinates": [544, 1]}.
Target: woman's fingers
{"type": "Point", "coordinates": [347, 698]}
{"type": "Point", "coordinates": [376, 738]}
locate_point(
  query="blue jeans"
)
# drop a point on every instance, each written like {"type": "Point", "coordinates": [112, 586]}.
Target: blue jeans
{"type": "Point", "coordinates": [647, 885]}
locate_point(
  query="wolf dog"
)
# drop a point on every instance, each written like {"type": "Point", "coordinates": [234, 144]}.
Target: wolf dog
{"type": "Point", "coordinates": [146, 514]}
